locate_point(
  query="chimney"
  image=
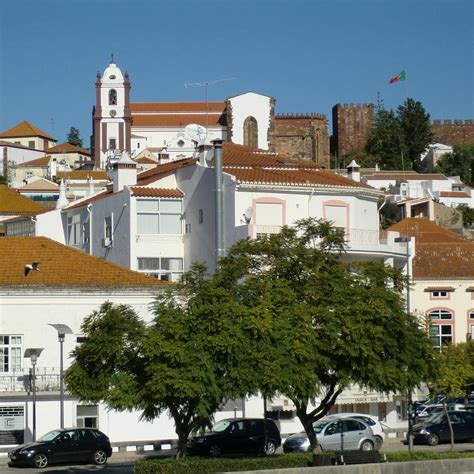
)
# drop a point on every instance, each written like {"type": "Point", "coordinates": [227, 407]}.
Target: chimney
{"type": "Point", "coordinates": [219, 195]}
{"type": "Point", "coordinates": [124, 172]}
{"type": "Point", "coordinates": [353, 171]}
{"type": "Point", "coordinates": [62, 200]}
{"type": "Point", "coordinates": [205, 152]}
{"type": "Point", "coordinates": [91, 190]}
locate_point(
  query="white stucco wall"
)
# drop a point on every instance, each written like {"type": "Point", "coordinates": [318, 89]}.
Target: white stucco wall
{"type": "Point", "coordinates": [50, 224]}
{"type": "Point", "coordinates": [253, 105]}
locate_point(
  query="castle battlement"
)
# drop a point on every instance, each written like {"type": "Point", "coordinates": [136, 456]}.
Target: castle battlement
{"type": "Point", "coordinates": [451, 123]}
{"type": "Point", "coordinates": [354, 105]}
{"type": "Point", "coordinates": [308, 115]}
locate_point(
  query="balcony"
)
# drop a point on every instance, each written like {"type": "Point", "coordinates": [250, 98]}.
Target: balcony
{"type": "Point", "coordinates": [47, 380]}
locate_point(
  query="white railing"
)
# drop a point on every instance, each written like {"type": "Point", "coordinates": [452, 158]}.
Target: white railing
{"type": "Point", "coordinates": [47, 380]}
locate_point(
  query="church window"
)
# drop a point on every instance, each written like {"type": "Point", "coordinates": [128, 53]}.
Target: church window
{"type": "Point", "coordinates": [112, 97]}
{"type": "Point", "coordinates": [251, 132]}
{"type": "Point", "coordinates": [112, 144]}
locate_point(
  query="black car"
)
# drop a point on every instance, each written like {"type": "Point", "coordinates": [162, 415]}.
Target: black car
{"type": "Point", "coordinates": [64, 446]}
{"type": "Point", "coordinates": [435, 428]}
{"type": "Point", "coordinates": [239, 435]}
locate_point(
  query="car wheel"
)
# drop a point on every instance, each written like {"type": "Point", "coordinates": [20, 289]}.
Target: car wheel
{"type": "Point", "coordinates": [215, 451]}
{"type": "Point", "coordinates": [270, 448]}
{"type": "Point", "coordinates": [100, 457]}
{"type": "Point", "coordinates": [379, 441]}
{"type": "Point", "coordinates": [40, 461]}
{"type": "Point", "coordinates": [367, 445]}
{"type": "Point", "coordinates": [433, 439]}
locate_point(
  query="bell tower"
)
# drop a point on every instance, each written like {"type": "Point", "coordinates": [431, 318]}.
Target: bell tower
{"type": "Point", "coordinates": [112, 118]}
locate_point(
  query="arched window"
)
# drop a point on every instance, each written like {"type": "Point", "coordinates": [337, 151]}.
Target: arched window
{"type": "Point", "coordinates": [251, 132]}
{"type": "Point", "coordinates": [112, 97]}
{"type": "Point", "coordinates": [441, 333]}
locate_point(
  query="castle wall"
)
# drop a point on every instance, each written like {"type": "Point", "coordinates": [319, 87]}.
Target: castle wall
{"type": "Point", "coordinates": [302, 137]}
{"type": "Point", "coordinates": [453, 132]}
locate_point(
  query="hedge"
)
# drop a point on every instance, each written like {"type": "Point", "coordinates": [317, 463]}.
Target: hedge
{"type": "Point", "coordinates": [192, 465]}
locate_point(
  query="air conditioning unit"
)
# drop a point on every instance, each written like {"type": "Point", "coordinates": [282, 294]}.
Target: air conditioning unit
{"type": "Point", "coordinates": [106, 242]}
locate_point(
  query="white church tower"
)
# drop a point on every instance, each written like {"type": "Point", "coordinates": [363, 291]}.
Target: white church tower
{"type": "Point", "coordinates": [111, 115]}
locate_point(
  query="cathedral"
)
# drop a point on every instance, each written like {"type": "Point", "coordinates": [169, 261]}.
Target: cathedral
{"type": "Point", "coordinates": [166, 131]}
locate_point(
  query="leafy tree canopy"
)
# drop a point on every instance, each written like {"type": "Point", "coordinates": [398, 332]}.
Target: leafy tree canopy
{"type": "Point", "coordinates": [322, 324]}
{"type": "Point", "coordinates": [398, 138]}
{"type": "Point", "coordinates": [73, 137]}
{"type": "Point", "coordinates": [458, 163]}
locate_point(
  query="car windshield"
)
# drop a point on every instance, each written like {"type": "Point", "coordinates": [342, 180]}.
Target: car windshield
{"type": "Point", "coordinates": [319, 425]}
{"type": "Point", "coordinates": [50, 436]}
{"type": "Point", "coordinates": [220, 426]}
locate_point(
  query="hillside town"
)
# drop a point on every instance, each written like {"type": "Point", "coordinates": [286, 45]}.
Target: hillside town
{"type": "Point", "coordinates": [164, 185]}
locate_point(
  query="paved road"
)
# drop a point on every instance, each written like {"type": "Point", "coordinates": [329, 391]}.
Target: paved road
{"type": "Point", "coordinates": [117, 468]}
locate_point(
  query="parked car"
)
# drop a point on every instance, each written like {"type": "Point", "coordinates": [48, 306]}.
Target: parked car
{"type": "Point", "coordinates": [436, 429]}
{"type": "Point", "coordinates": [332, 434]}
{"type": "Point", "coordinates": [240, 435]}
{"type": "Point", "coordinates": [370, 420]}
{"type": "Point", "coordinates": [64, 446]}
{"type": "Point", "coordinates": [429, 410]}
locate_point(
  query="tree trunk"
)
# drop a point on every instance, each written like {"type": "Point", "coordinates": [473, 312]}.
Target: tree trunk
{"type": "Point", "coordinates": [314, 445]}
{"type": "Point", "coordinates": [450, 426]}
{"type": "Point", "coordinates": [183, 435]}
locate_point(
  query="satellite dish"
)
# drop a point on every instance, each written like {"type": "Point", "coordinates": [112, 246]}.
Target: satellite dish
{"type": "Point", "coordinates": [248, 214]}
{"type": "Point", "coordinates": [196, 132]}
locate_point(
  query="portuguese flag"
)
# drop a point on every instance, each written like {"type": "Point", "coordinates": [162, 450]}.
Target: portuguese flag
{"type": "Point", "coordinates": [398, 78]}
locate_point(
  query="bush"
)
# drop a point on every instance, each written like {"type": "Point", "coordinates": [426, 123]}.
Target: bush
{"type": "Point", "coordinates": [209, 465]}
{"type": "Point", "coordinates": [406, 456]}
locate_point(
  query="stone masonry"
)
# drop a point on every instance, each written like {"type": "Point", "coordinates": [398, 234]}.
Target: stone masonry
{"type": "Point", "coordinates": [453, 132]}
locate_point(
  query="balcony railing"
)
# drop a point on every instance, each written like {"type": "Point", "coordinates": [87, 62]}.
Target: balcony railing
{"type": "Point", "coordinates": [47, 380]}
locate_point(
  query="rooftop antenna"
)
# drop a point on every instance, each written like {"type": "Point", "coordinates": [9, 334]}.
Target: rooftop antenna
{"type": "Point", "coordinates": [111, 58]}
{"type": "Point", "coordinates": [206, 84]}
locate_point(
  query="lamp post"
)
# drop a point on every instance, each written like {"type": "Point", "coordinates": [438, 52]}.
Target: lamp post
{"type": "Point", "coordinates": [62, 329]}
{"type": "Point", "coordinates": [33, 353]}
{"type": "Point", "coordinates": [407, 240]}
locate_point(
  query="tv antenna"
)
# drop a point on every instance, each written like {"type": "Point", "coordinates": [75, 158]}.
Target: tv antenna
{"type": "Point", "coordinates": [206, 84]}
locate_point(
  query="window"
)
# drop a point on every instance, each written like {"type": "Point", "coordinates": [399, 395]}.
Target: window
{"type": "Point", "coordinates": [10, 353]}
{"type": "Point", "coordinates": [86, 416]}
{"type": "Point", "coordinates": [187, 229]}
{"type": "Point", "coordinates": [201, 216]}
{"type": "Point", "coordinates": [112, 144]}
{"type": "Point", "coordinates": [31, 144]}
{"type": "Point", "coordinates": [159, 216]}
{"type": "Point", "coordinates": [440, 333]}
{"type": "Point", "coordinates": [28, 174]}
{"type": "Point", "coordinates": [251, 132]}
{"type": "Point", "coordinates": [73, 230]}
{"type": "Point", "coordinates": [471, 315]}
{"type": "Point", "coordinates": [85, 232]}
{"type": "Point", "coordinates": [166, 269]}
{"type": "Point", "coordinates": [112, 97]}
{"type": "Point", "coordinates": [108, 230]}
{"type": "Point", "coordinates": [440, 294]}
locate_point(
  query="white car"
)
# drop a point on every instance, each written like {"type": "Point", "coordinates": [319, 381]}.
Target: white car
{"type": "Point", "coordinates": [370, 420]}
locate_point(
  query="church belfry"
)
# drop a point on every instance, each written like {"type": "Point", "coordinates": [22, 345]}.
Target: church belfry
{"type": "Point", "coordinates": [112, 118]}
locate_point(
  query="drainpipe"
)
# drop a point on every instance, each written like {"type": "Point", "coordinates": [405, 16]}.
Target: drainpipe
{"type": "Point", "coordinates": [89, 210]}
{"type": "Point", "coordinates": [219, 196]}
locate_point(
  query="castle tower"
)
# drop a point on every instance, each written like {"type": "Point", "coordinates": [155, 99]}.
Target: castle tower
{"type": "Point", "coordinates": [112, 118]}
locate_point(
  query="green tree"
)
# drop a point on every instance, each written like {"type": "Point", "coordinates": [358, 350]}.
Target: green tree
{"type": "Point", "coordinates": [187, 362]}
{"type": "Point", "coordinates": [454, 374]}
{"type": "Point", "coordinates": [73, 137]}
{"type": "Point", "coordinates": [416, 129]}
{"type": "Point", "coordinates": [458, 163]}
{"type": "Point", "coordinates": [467, 215]}
{"type": "Point", "coordinates": [320, 324]}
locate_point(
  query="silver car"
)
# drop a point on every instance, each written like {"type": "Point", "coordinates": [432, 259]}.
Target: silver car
{"type": "Point", "coordinates": [347, 433]}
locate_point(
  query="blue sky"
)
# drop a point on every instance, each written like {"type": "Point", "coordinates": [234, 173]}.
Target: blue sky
{"type": "Point", "coordinates": [308, 54]}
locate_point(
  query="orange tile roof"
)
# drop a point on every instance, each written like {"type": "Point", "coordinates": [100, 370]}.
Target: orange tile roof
{"type": "Point", "coordinates": [41, 184]}
{"type": "Point", "coordinates": [94, 174]}
{"type": "Point", "coordinates": [425, 231]}
{"type": "Point", "coordinates": [24, 129]}
{"type": "Point", "coordinates": [12, 202]}
{"type": "Point", "coordinates": [68, 148]}
{"type": "Point", "coordinates": [153, 174]}
{"type": "Point", "coordinates": [13, 145]}
{"type": "Point", "coordinates": [36, 163]}
{"type": "Point", "coordinates": [444, 261]}
{"type": "Point", "coordinates": [178, 120]}
{"type": "Point", "coordinates": [145, 160]}
{"type": "Point", "coordinates": [404, 176]}
{"type": "Point", "coordinates": [137, 107]}
{"type": "Point", "coordinates": [90, 200]}
{"type": "Point", "coordinates": [460, 194]}
{"type": "Point", "coordinates": [156, 192]}
{"type": "Point", "coordinates": [62, 266]}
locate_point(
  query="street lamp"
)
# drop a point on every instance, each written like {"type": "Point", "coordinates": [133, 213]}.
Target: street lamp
{"type": "Point", "coordinates": [407, 240]}
{"type": "Point", "coordinates": [62, 329]}
{"type": "Point", "coordinates": [33, 353]}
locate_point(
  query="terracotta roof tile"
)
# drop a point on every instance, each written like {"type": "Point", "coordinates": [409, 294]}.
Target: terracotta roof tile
{"type": "Point", "coordinates": [12, 202]}
{"type": "Point", "coordinates": [24, 129]}
{"type": "Point", "coordinates": [94, 174]}
{"type": "Point", "coordinates": [36, 163]}
{"type": "Point", "coordinates": [146, 161]}
{"type": "Point", "coordinates": [460, 194]}
{"type": "Point", "coordinates": [62, 266]}
{"type": "Point", "coordinates": [404, 176]}
{"type": "Point", "coordinates": [13, 145]}
{"type": "Point", "coordinates": [41, 184]}
{"type": "Point", "coordinates": [95, 197]}
{"type": "Point", "coordinates": [161, 107]}
{"type": "Point", "coordinates": [425, 231]}
{"type": "Point", "coordinates": [177, 120]}
{"type": "Point", "coordinates": [153, 174]}
{"type": "Point", "coordinates": [68, 148]}
{"type": "Point", "coordinates": [140, 191]}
